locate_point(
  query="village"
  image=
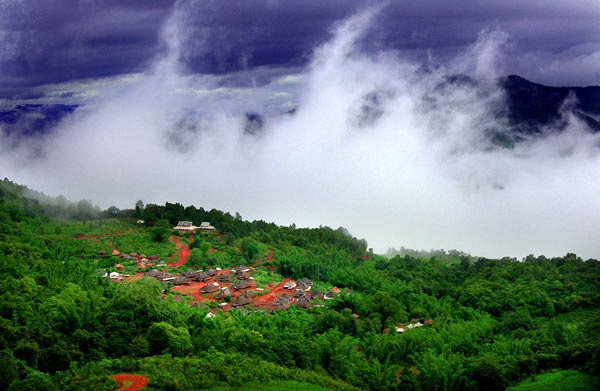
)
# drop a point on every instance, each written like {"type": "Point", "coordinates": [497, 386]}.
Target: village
{"type": "Point", "coordinates": [222, 289]}
{"type": "Point", "coordinates": [219, 288]}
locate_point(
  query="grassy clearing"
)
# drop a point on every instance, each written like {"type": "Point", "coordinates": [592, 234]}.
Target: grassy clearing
{"type": "Point", "coordinates": [273, 386]}
{"type": "Point", "coordinates": [557, 381]}
{"type": "Point", "coordinates": [264, 277]}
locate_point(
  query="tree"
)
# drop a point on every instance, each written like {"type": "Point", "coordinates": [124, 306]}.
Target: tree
{"type": "Point", "coordinates": [249, 249]}
{"type": "Point", "coordinates": [139, 209]}
{"type": "Point", "coordinates": [166, 338]}
{"type": "Point", "coordinates": [160, 234]}
{"type": "Point", "coordinates": [8, 369]}
{"type": "Point", "coordinates": [35, 381]}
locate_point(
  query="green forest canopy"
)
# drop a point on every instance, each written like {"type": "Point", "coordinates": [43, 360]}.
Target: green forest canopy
{"type": "Point", "coordinates": [495, 322]}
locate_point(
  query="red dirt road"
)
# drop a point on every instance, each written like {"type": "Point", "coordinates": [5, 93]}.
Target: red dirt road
{"type": "Point", "coordinates": [183, 254]}
{"type": "Point", "coordinates": [266, 300]}
{"type": "Point", "coordinates": [137, 381]}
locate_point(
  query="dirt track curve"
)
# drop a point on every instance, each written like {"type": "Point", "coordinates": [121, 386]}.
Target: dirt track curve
{"type": "Point", "coordinates": [183, 254]}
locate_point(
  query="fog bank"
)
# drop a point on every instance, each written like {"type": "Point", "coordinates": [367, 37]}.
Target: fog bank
{"type": "Point", "coordinates": [388, 148]}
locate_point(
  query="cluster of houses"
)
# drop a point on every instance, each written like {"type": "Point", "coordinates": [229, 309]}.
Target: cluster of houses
{"type": "Point", "coordinates": [415, 323]}
{"type": "Point", "coordinates": [188, 226]}
{"type": "Point", "coordinates": [302, 294]}
{"type": "Point", "coordinates": [142, 260]}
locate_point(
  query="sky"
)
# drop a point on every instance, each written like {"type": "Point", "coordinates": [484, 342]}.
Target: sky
{"type": "Point", "coordinates": [356, 134]}
{"type": "Point", "coordinates": [554, 42]}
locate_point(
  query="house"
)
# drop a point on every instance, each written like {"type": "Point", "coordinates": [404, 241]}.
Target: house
{"type": "Point", "coordinates": [241, 284]}
{"type": "Point", "coordinates": [114, 276]}
{"type": "Point", "coordinates": [283, 302]}
{"type": "Point", "coordinates": [249, 294]}
{"type": "Point", "coordinates": [210, 315]}
{"type": "Point", "coordinates": [205, 226]}
{"type": "Point", "coordinates": [180, 281]}
{"type": "Point", "coordinates": [305, 284]}
{"type": "Point", "coordinates": [244, 276]}
{"type": "Point", "coordinates": [190, 273]}
{"type": "Point", "coordinates": [336, 290]}
{"type": "Point", "coordinates": [153, 273]}
{"type": "Point", "coordinates": [328, 296]}
{"type": "Point", "coordinates": [240, 301]}
{"type": "Point", "coordinates": [153, 258]}
{"type": "Point", "coordinates": [133, 254]}
{"type": "Point", "coordinates": [140, 222]}
{"type": "Point", "coordinates": [210, 288]}
{"type": "Point", "coordinates": [225, 292]}
{"type": "Point", "coordinates": [185, 226]}
{"type": "Point", "coordinates": [241, 269]}
{"type": "Point", "coordinates": [201, 277]}
{"type": "Point", "coordinates": [317, 294]}
{"type": "Point", "coordinates": [101, 253]}
{"type": "Point", "coordinates": [119, 267]}
{"type": "Point", "coordinates": [212, 272]}
{"type": "Point", "coordinates": [303, 302]}
{"type": "Point", "coordinates": [289, 285]}
{"type": "Point", "coordinates": [224, 278]}
{"type": "Point", "coordinates": [116, 253]}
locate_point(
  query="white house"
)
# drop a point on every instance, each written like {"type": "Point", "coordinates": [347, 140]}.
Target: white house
{"type": "Point", "coordinates": [185, 226]}
{"type": "Point", "coordinates": [205, 226]}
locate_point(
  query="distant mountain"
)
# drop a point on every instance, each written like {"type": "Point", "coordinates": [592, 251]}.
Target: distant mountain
{"type": "Point", "coordinates": [531, 106]}
{"type": "Point", "coordinates": [531, 110]}
{"type": "Point", "coordinates": [32, 119]}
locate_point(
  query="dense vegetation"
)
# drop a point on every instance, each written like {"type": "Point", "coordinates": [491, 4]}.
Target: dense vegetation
{"type": "Point", "coordinates": [494, 324]}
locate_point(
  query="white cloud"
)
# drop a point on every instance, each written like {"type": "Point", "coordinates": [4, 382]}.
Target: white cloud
{"type": "Point", "coordinates": [376, 145]}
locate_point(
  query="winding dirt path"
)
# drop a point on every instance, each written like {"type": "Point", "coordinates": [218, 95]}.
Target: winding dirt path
{"type": "Point", "coordinates": [183, 254]}
{"type": "Point", "coordinates": [129, 382]}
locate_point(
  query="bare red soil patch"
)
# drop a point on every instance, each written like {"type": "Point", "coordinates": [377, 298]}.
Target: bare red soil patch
{"type": "Point", "coordinates": [182, 255]}
{"type": "Point", "coordinates": [136, 382]}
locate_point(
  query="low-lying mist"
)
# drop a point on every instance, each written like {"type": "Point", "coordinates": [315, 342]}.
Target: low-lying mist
{"type": "Point", "coordinates": [397, 152]}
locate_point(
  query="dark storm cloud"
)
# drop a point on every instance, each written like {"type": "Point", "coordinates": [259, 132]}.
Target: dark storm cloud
{"type": "Point", "coordinates": [555, 42]}
{"type": "Point", "coordinates": [59, 40]}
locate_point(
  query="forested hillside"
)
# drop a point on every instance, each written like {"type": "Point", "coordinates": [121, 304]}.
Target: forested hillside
{"type": "Point", "coordinates": [401, 323]}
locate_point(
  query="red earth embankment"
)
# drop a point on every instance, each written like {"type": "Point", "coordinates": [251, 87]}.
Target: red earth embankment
{"type": "Point", "coordinates": [129, 382]}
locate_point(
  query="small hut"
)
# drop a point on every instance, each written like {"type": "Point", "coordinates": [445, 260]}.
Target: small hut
{"type": "Point", "coordinates": [225, 293]}
{"type": "Point", "coordinates": [210, 288]}
{"type": "Point", "coordinates": [242, 284]}
{"type": "Point", "coordinates": [249, 294]}
{"type": "Point", "coordinates": [240, 301]}
{"type": "Point", "coordinates": [189, 273]}
{"type": "Point", "coordinates": [303, 302]}
{"type": "Point", "coordinates": [283, 302]}
{"type": "Point", "coordinates": [180, 281]}
{"type": "Point", "coordinates": [224, 277]}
